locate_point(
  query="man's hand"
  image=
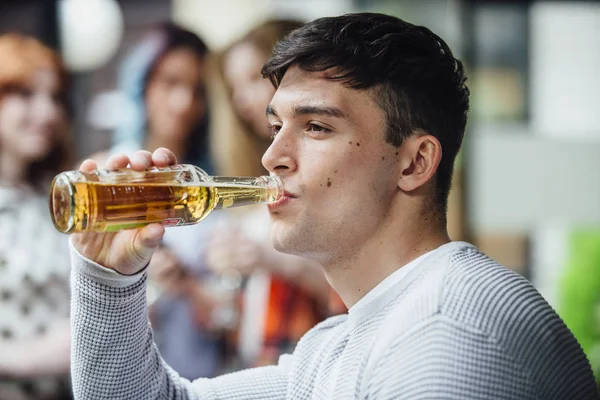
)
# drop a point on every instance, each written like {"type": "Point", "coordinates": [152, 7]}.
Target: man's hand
{"type": "Point", "coordinates": [127, 251]}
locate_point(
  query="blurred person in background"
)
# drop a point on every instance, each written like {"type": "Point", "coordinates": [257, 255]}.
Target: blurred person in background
{"type": "Point", "coordinates": [34, 257]}
{"type": "Point", "coordinates": [283, 296]}
{"type": "Point", "coordinates": [164, 80]}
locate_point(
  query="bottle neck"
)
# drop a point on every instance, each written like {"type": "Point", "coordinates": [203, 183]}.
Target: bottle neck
{"type": "Point", "coordinates": [241, 191]}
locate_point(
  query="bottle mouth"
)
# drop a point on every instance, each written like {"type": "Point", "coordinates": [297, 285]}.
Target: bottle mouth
{"type": "Point", "coordinates": [274, 187]}
{"type": "Point", "coordinates": [62, 205]}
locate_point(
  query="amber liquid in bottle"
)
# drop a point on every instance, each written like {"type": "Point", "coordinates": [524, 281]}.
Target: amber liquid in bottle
{"type": "Point", "coordinates": [85, 205]}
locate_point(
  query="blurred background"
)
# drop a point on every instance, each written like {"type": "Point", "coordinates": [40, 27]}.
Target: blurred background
{"type": "Point", "coordinates": [527, 184]}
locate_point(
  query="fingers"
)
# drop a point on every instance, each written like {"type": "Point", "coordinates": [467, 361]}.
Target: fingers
{"type": "Point", "coordinates": [163, 157]}
{"type": "Point", "coordinates": [141, 160]}
{"type": "Point", "coordinates": [88, 166]}
{"type": "Point", "coordinates": [147, 240]}
{"type": "Point", "coordinates": [117, 161]}
{"type": "Point", "coordinates": [151, 236]}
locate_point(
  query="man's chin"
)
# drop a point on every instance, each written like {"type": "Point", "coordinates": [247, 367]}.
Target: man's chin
{"type": "Point", "coordinates": [280, 239]}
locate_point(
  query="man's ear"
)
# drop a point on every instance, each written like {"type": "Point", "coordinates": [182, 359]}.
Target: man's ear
{"type": "Point", "coordinates": [418, 160]}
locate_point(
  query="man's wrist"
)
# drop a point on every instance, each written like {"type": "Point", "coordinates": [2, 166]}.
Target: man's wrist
{"type": "Point", "coordinates": [101, 274]}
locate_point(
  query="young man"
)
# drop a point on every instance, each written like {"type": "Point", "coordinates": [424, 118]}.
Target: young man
{"type": "Point", "coordinates": [367, 119]}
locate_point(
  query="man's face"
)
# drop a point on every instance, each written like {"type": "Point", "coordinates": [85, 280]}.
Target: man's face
{"type": "Point", "coordinates": [331, 153]}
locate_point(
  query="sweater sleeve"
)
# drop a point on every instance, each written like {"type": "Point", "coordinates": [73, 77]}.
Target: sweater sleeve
{"type": "Point", "coordinates": [113, 355]}
{"type": "Point", "coordinates": [439, 359]}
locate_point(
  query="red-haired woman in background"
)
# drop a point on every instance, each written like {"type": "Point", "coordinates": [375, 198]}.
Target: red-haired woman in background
{"type": "Point", "coordinates": [34, 261]}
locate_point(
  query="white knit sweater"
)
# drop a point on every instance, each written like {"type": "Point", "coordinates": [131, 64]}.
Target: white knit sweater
{"type": "Point", "coordinates": [34, 284]}
{"type": "Point", "coordinates": [456, 325]}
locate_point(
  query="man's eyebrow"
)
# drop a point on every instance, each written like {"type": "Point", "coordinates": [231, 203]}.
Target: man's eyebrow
{"type": "Point", "coordinates": [318, 110]}
{"type": "Point", "coordinates": [307, 110]}
{"type": "Point", "coordinates": [271, 111]}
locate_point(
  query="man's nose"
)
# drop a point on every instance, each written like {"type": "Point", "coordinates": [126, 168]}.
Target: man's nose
{"type": "Point", "coordinates": [280, 156]}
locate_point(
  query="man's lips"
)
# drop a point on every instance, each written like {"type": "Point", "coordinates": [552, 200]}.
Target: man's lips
{"type": "Point", "coordinates": [286, 198]}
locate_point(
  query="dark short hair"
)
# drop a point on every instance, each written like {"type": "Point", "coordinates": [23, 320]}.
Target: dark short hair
{"type": "Point", "coordinates": [416, 80]}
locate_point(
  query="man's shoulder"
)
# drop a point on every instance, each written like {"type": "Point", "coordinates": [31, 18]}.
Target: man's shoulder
{"type": "Point", "coordinates": [483, 294]}
{"type": "Point", "coordinates": [471, 311]}
{"type": "Point", "coordinates": [480, 299]}
{"type": "Point", "coordinates": [321, 333]}
{"type": "Point", "coordinates": [328, 325]}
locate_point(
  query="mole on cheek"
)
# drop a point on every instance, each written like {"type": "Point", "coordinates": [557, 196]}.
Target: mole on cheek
{"type": "Point", "coordinates": [349, 142]}
{"type": "Point", "coordinates": [358, 144]}
{"type": "Point", "coordinates": [328, 182]}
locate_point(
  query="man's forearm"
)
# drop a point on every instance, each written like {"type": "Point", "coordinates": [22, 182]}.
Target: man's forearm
{"type": "Point", "coordinates": [113, 354]}
{"type": "Point", "coordinates": [45, 356]}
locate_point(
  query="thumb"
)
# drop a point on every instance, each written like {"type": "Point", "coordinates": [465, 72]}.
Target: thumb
{"type": "Point", "coordinates": [147, 240]}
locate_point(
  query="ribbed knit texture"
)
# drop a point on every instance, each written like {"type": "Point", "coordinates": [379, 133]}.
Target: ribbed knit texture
{"type": "Point", "coordinates": [457, 326]}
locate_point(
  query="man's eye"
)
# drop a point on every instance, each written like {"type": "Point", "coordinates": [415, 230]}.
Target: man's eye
{"type": "Point", "coordinates": [318, 128]}
{"type": "Point", "coordinates": [274, 130]}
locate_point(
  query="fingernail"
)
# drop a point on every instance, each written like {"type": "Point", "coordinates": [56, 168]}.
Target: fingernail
{"type": "Point", "coordinates": [143, 160]}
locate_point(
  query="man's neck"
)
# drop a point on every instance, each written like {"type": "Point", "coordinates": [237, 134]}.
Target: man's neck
{"type": "Point", "coordinates": [392, 248]}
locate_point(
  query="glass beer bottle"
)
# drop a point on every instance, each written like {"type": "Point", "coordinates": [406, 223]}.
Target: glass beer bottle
{"type": "Point", "coordinates": [108, 201]}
